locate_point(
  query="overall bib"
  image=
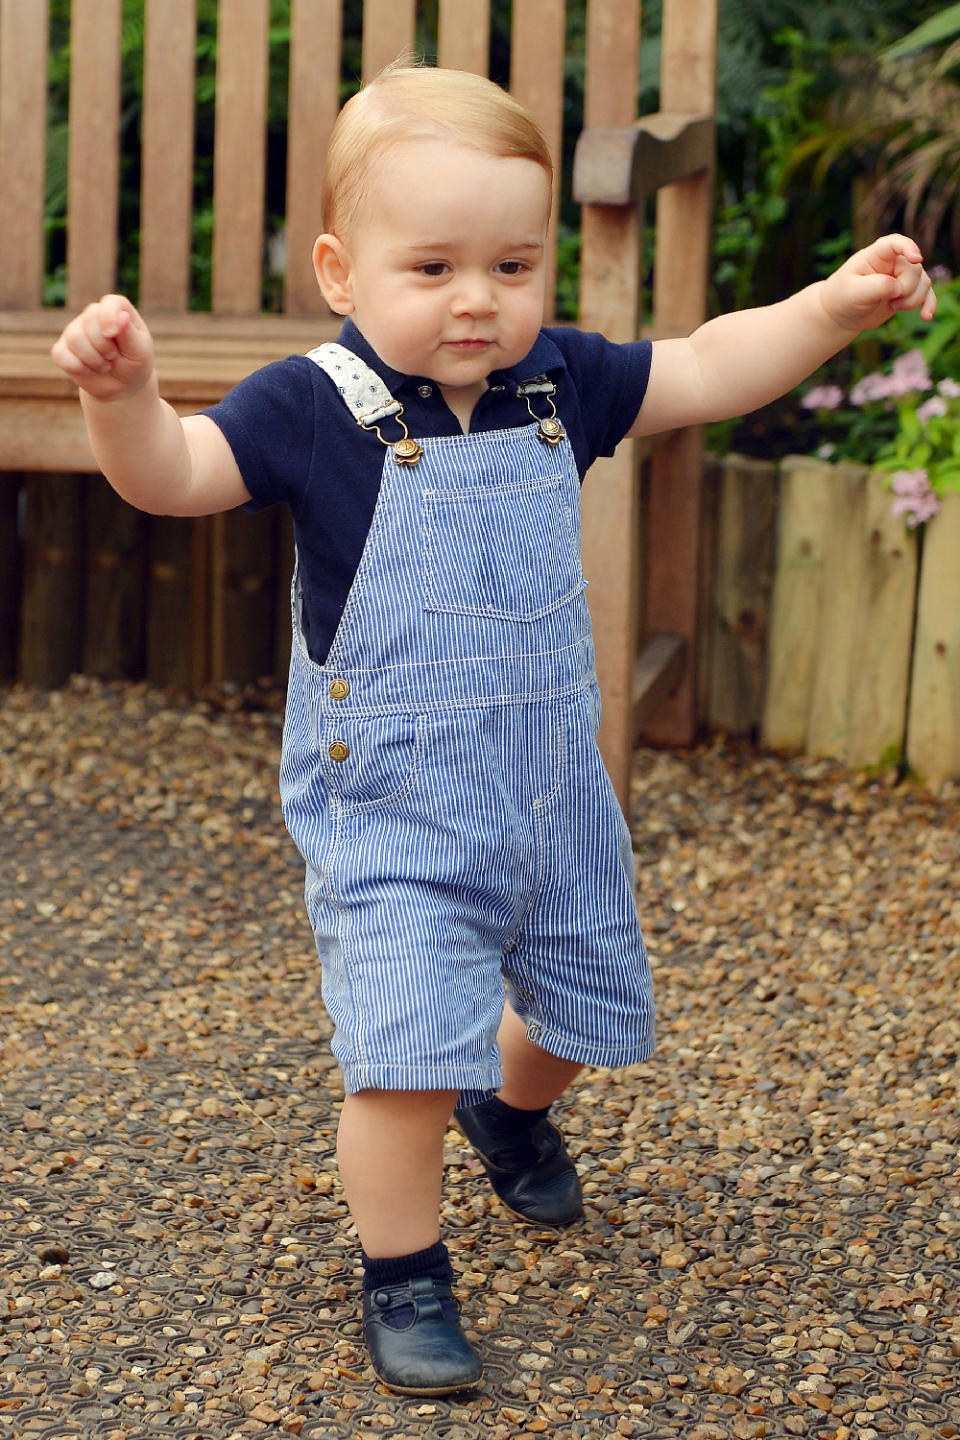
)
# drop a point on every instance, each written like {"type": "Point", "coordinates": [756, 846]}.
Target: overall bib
{"type": "Point", "coordinates": [440, 774]}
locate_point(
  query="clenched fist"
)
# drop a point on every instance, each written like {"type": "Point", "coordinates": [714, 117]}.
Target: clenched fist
{"type": "Point", "coordinates": [106, 350]}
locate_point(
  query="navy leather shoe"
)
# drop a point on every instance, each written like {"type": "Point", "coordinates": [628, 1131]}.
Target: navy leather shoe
{"type": "Point", "coordinates": [545, 1191]}
{"type": "Point", "coordinates": [427, 1354]}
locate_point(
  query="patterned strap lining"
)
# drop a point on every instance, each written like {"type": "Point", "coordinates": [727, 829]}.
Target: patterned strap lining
{"type": "Point", "coordinates": [363, 392]}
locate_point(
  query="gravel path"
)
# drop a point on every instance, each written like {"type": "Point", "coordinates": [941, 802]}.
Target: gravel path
{"type": "Point", "coordinates": [773, 1203]}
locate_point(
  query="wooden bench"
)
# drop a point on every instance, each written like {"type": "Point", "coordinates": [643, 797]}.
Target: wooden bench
{"type": "Point", "coordinates": [207, 593]}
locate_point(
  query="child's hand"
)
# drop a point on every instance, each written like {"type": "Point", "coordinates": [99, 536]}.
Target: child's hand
{"type": "Point", "coordinates": [107, 350]}
{"type": "Point", "coordinates": [877, 282]}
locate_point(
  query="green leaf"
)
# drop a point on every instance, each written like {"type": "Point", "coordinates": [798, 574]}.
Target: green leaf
{"type": "Point", "coordinates": [934, 31]}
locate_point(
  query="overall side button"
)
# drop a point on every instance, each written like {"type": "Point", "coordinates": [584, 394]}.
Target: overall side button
{"type": "Point", "coordinates": [338, 750]}
{"type": "Point", "coordinates": [339, 689]}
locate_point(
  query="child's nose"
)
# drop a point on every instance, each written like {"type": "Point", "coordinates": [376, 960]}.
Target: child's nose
{"type": "Point", "coordinates": [474, 295]}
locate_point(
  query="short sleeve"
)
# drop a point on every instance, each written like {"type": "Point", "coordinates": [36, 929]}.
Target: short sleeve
{"type": "Point", "coordinates": [610, 382]}
{"type": "Point", "coordinates": [268, 422]}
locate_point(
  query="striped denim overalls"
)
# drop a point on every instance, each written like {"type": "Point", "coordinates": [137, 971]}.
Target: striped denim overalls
{"type": "Point", "coordinates": [441, 778]}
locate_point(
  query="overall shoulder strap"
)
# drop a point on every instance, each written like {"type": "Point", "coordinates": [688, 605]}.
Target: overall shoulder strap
{"type": "Point", "coordinates": [360, 388]}
{"type": "Point", "coordinates": [549, 428]}
{"type": "Point", "coordinates": [537, 385]}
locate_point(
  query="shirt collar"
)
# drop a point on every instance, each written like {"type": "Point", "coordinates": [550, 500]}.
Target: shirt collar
{"type": "Point", "coordinates": [543, 358]}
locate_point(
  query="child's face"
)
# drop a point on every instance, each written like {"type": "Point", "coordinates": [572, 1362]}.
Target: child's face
{"type": "Point", "coordinates": [445, 263]}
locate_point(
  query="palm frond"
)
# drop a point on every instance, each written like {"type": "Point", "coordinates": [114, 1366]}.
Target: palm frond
{"type": "Point", "coordinates": [935, 31]}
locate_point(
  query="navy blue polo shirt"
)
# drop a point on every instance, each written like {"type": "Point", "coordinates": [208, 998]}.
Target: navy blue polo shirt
{"type": "Point", "coordinates": [295, 442]}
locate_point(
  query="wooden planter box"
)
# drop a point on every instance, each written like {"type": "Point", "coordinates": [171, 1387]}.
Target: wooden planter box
{"type": "Point", "coordinates": [834, 629]}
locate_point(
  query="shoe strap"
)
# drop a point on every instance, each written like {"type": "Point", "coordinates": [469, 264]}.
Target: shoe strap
{"type": "Point", "coordinates": [422, 1292]}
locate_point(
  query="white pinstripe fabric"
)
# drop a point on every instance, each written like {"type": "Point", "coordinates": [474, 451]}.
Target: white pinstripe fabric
{"type": "Point", "coordinates": [470, 839]}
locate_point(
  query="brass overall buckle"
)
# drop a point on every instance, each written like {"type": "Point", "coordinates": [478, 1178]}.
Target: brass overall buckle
{"type": "Point", "coordinates": [406, 450]}
{"type": "Point", "coordinates": [549, 428]}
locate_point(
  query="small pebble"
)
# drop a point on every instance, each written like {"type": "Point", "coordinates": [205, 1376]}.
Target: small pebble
{"type": "Point", "coordinates": [103, 1279]}
{"type": "Point", "coordinates": [54, 1254]}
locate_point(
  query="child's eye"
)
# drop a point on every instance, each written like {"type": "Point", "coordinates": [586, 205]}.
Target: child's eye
{"type": "Point", "coordinates": [512, 267]}
{"type": "Point", "coordinates": [433, 268]}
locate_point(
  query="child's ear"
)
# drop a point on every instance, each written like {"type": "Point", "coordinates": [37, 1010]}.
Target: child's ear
{"type": "Point", "coordinates": [331, 265]}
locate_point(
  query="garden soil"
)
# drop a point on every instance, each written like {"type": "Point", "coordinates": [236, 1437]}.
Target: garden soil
{"type": "Point", "coordinates": [772, 1229]}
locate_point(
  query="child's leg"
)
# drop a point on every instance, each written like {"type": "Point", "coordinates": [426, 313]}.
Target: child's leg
{"type": "Point", "coordinates": [532, 1078]}
{"type": "Point", "coordinates": [390, 1149]}
{"type": "Point", "coordinates": [523, 1154]}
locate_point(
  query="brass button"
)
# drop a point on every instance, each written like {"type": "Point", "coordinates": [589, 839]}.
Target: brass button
{"type": "Point", "coordinates": [550, 431]}
{"type": "Point", "coordinates": [339, 750]}
{"type": "Point", "coordinates": [407, 451]}
{"type": "Point", "coordinates": [339, 689]}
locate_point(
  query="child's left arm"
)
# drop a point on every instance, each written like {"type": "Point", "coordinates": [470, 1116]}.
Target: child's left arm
{"type": "Point", "coordinates": [736, 363]}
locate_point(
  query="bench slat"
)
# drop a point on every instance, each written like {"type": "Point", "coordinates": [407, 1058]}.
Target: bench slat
{"type": "Point", "coordinates": [23, 112]}
{"type": "Point", "coordinates": [42, 434]}
{"type": "Point", "coordinates": [314, 101]}
{"type": "Point", "coordinates": [536, 80]}
{"type": "Point", "coordinates": [198, 325]}
{"type": "Point", "coordinates": [239, 200]}
{"type": "Point", "coordinates": [93, 170]}
{"type": "Point", "coordinates": [197, 363]}
{"type": "Point", "coordinates": [239, 177]}
{"type": "Point", "coordinates": [463, 35]}
{"type": "Point", "coordinates": [166, 194]}
{"type": "Point", "coordinates": [389, 31]}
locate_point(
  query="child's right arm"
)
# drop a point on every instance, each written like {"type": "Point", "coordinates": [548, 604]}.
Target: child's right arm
{"type": "Point", "coordinates": [153, 458]}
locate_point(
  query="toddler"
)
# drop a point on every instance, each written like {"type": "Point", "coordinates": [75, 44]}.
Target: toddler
{"type": "Point", "coordinates": [469, 876]}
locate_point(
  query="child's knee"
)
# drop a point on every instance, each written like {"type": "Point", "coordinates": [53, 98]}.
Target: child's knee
{"type": "Point", "coordinates": [395, 1112]}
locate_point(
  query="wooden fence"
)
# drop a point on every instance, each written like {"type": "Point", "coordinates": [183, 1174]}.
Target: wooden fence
{"type": "Point", "coordinates": [91, 585]}
{"type": "Point", "coordinates": [833, 629]}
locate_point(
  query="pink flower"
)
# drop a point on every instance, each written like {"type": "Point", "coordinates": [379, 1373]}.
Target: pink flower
{"type": "Point", "coordinates": [909, 373]}
{"type": "Point", "coordinates": [871, 387]}
{"type": "Point", "coordinates": [948, 388]}
{"type": "Point", "coordinates": [915, 499]}
{"type": "Point", "coordinates": [936, 405]}
{"type": "Point", "coordinates": [823, 397]}
{"type": "Point", "coordinates": [910, 482]}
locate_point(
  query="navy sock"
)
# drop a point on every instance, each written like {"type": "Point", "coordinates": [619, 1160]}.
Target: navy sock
{"type": "Point", "coordinates": [434, 1262]}
{"type": "Point", "coordinates": [509, 1130]}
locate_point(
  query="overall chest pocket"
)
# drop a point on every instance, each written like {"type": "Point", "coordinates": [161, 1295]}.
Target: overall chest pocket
{"type": "Point", "coordinates": [504, 552]}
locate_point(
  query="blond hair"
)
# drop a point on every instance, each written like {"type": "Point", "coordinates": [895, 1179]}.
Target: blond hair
{"type": "Point", "coordinates": [408, 101]}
